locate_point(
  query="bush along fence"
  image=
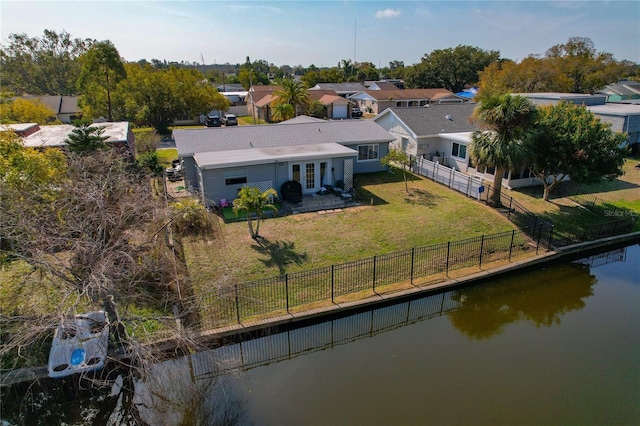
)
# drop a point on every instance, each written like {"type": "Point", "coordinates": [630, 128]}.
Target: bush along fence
{"type": "Point", "coordinates": [270, 296]}
{"type": "Point", "coordinates": [619, 221]}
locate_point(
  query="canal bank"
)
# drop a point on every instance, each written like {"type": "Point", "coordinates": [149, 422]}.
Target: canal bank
{"type": "Point", "coordinates": [248, 330]}
{"type": "Point", "coordinates": [244, 330]}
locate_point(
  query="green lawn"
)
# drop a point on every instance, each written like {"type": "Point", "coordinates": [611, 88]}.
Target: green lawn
{"type": "Point", "coordinates": [569, 211]}
{"type": "Point", "coordinates": [387, 220]}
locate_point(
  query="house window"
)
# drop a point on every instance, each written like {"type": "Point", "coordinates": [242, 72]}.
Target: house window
{"type": "Point", "coordinates": [423, 103]}
{"type": "Point", "coordinates": [459, 150]}
{"type": "Point", "coordinates": [367, 152]}
{"type": "Point", "coordinates": [235, 176]}
{"type": "Point", "coordinates": [399, 104]}
{"type": "Point", "coordinates": [411, 104]}
{"type": "Point", "coordinates": [404, 144]}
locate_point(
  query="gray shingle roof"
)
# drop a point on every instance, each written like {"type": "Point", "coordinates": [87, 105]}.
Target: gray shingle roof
{"type": "Point", "coordinates": [347, 132]}
{"type": "Point", "coordinates": [433, 119]}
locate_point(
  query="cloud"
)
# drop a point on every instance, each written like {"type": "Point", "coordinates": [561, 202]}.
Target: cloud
{"type": "Point", "coordinates": [387, 13]}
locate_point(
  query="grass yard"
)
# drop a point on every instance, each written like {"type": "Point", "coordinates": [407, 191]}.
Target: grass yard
{"type": "Point", "coordinates": [566, 212]}
{"type": "Point", "coordinates": [387, 220]}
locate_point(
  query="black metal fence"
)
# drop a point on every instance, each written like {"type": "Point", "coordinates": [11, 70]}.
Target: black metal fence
{"type": "Point", "coordinates": [251, 300]}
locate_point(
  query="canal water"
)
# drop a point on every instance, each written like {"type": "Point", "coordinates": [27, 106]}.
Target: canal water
{"type": "Point", "coordinates": [556, 345]}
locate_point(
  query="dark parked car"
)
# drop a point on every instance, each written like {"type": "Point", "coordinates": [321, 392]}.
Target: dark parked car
{"type": "Point", "coordinates": [356, 112]}
{"type": "Point", "coordinates": [213, 121]}
{"type": "Point", "coordinates": [230, 120]}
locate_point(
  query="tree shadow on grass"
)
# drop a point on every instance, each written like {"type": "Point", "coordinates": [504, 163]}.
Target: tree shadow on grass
{"type": "Point", "coordinates": [279, 253]}
{"type": "Point", "coordinates": [421, 197]}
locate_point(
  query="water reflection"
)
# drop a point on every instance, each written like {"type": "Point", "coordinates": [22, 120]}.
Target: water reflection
{"type": "Point", "coordinates": [540, 298]}
{"type": "Point", "coordinates": [193, 389]}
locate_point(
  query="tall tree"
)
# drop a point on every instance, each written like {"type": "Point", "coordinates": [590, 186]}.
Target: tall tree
{"type": "Point", "coordinates": [26, 111]}
{"type": "Point", "coordinates": [102, 69]}
{"type": "Point", "coordinates": [574, 66]}
{"type": "Point", "coordinates": [452, 68]}
{"type": "Point", "coordinates": [293, 93]}
{"type": "Point", "coordinates": [158, 96]}
{"type": "Point", "coordinates": [571, 141]}
{"type": "Point", "coordinates": [46, 65]}
{"type": "Point", "coordinates": [508, 123]}
{"type": "Point", "coordinates": [254, 202]}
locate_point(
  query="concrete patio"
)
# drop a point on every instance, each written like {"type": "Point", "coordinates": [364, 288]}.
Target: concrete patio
{"type": "Point", "coordinates": [312, 203]}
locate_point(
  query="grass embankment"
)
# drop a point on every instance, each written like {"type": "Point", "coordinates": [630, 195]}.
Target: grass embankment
{"type": "Point", "coordinates": [387, 220]}
{"type": "Point", "coordinates": [593, 204]}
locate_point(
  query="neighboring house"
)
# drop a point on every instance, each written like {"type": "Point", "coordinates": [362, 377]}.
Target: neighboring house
{"type": "Point", "coordinates": [442, 133]}
{"type": "Point", "coordinates": [336, 106]}
{"type": "Point", "coordinates": [417, 131]}
{"type": "Point", "coordinates": [218, 162]}
{"type": "Point", "coordinates": [259, 100]}
{"type": "Point", "coordinates": [118, 134]}
{"type": "Point", "coordinates": [623, 90]}
{"type": "Point", "coordinates": [385, 85]}
{"type": "Point", "coordinates": [65, 108]}
{"type": "Point", "coordinates": [458, 158]}
{"type": "Point", "coordinates": [552, 98]}
{"type": "Point", "coordinates": [376, 101]}
{"type": "Point", "coordinates": [622, 117]}
{"type": "Point", "coordinates": [342, 89]}
{"type": "Point", "coordinates": [235, 87]}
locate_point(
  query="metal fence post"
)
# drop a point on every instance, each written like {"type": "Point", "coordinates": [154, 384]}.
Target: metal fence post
{"type": "Point", "coordinates": [509, 212]}
{"type": "Point", "coordinates": [374, 274]}
{"type": "Point", "coordinates": [332, 281]}
{"type": "Point", "coordinates": [513, 233]}
{"type": "Point", "coordinates": [538, 243]}
{"type": "Point", "coordinates": [550, 237]}
{"type": "Point", "coordinates": [413, 249]}
{"type": "Point", "coordinates": [237, 304]}
{"type": "Point", "coordinates": [481, 248]}
{"type": "Point", "coordinates": [448, 250]}
{"type": "Point", "coordinates": [286, 288]}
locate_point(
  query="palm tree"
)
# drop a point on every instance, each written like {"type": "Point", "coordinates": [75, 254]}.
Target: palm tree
{"type": "Point", "coordinates": [508, 122]}
{"type": "Point", "coordinates": [282, 112]}
{"type": "Point", "coordinates": [254, 202]}
{"type": "Point", "coordinates": [293, 93]}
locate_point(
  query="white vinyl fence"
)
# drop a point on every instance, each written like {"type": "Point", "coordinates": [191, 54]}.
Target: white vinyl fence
{"type": "Point", "coordinates": [469, 185]}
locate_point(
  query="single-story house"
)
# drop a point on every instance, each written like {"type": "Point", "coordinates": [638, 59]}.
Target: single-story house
{"type": "Point", "coordinates": [442, 133]}
{"type": "Point", "coordinates": [65, 108]}
{"type": "Point", "coordinates": [336, 107]}
{"type": "Point", "coordinates": [258, 101]}
{"type": "Point", "coordinates": [622, 117]}
{"type": "Point", "coordinates": [341, 89]}
{"type": "Point", "coordinates": [118, 134]}
{"type": "Point", "coordinates": [458, 158]}
{"type": "Point", "coordinates": [315, 153]}
{"type": "Point", "coordinates": [376, 101]}
{"type": "Point", "coordinates": [552, 98]}
{"type": "Point", "coordinates": [621, 91]}
{"type": "Point", "coordinates": [389, 84]}
{"type": "Point", "coordinates": [417, 131]}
